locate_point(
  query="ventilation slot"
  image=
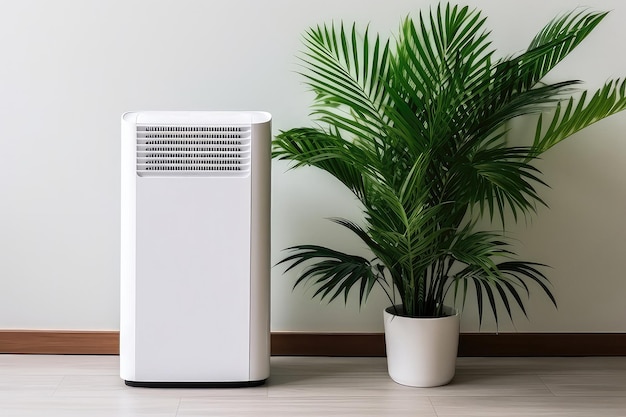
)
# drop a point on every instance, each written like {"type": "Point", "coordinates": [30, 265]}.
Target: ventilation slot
{"type": "Point", "coordinates": [181, 151]}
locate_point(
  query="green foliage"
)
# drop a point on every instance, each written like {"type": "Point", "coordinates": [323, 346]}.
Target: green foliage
{"type": "Point", "coordinates": [416, 129]}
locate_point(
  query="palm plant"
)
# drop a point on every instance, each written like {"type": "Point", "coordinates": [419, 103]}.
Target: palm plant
{"type": "Point", "coordinates": [417, 130]}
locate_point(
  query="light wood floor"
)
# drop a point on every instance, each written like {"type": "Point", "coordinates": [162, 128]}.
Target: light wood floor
{"type": "Point", "coordinates": [69, 386]}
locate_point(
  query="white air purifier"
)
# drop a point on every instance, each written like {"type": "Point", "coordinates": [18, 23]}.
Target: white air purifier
{"type": "Point", "coordinates": [195, 248]}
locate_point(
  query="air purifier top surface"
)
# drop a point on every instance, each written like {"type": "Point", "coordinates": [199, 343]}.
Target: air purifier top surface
{"type": "Point", "coordinates": [197, 117]}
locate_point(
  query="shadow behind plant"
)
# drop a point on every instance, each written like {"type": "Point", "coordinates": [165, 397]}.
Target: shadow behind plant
{"type": "Point", "coordinates": [416, 129]}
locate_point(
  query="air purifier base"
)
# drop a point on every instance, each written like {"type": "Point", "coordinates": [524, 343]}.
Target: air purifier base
{"type": "Point", "coordinates": [236, 384]}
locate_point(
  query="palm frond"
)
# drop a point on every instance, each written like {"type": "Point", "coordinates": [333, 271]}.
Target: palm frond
{"type": "Point", "coordinates": [479, 252]}
{"type": "Point", "coordinates": [562, 35]}
{"type": "Point", "coordinates": [347, 78]}
{"type": "Point", "coordinates": [326, 151]}
{"type": "Point", "coordinates": [581, 113]}
{"type": "Point", "coordinates": [498, 179]}
{"type": "Point", "coordinates": [333, 272]}
{"type": "Point", "coordinates": [430, 72]}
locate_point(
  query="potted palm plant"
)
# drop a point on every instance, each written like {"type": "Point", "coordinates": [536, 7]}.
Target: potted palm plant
{"type": "Point", "coordinates": [417, 129]}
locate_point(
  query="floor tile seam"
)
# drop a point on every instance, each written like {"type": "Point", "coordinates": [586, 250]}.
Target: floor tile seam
{"type": "Point", "coordinates": [543, 394]}
{"type": "Point", "coordinates": [545, 385]}
{"type": "Point", "coordinates": [430, 401]}
{"type": "Point", "coordinates": [293, 396]}
{"type": "Point", "coordinates": [178, 406]}
{"type": "Point", "coordinates": [185, 397]}
{"type": "Point", "coordinates": [520, 372]}
{"type": "Point", "coordinates": [56, 389]}
{"type": "Point", "coordinates": [621, 374]}
{"type": "Point", "coordinates": [586, 396]}
{"type": "Point", "coordinates": [543, 373]}
{"type": "Point", "coordinates": [606, 395]}
{"type": "Point", "coordinates": [548, 387]}
{"type": "Point", "coordinates": [619, 401]}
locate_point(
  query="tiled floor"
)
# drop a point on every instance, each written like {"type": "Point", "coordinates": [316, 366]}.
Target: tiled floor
{"type": "Point", "coordinates": [68, 386]}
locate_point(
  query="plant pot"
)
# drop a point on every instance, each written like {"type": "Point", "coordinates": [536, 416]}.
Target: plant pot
{"type": "Point", "coordinates": [421, 352]}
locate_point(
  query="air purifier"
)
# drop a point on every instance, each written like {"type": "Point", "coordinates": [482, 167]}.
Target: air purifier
{"type": "Point", "coordinates": [195, 248]}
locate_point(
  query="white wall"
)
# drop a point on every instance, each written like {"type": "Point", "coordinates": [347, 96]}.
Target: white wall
{"type": "Point", "coordinates": [70, 68]}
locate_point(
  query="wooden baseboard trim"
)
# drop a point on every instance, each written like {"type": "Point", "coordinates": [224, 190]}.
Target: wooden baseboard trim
{"type": "Point", "coordinates": [335, 344]}
{"type": "Point", "coordinates": [542, 344]}
{"type": "Point", "coordinates": [470, 344]}
{"type": "Point", "coordinates": [64, 342]}
{"type": "Point", "coordinates": [328, 344]}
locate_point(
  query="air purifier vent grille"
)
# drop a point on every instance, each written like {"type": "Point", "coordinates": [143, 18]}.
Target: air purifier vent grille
{"type": "Point", "coordinates": [219, 151]}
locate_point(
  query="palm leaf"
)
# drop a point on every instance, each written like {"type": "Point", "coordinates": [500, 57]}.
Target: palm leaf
{"type": "Point", "coordinates": [605, 102]}
{"type": "Point", "coordinates": [334, 272]}
{"type": "Point", "coordinates": [332, 63]}
{"type": "Point", "coordinates": [564, 33]}
{"type": "Point", "coordinates": [326, 151]}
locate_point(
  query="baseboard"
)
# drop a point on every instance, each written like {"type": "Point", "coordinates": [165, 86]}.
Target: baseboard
{"type": "Point", "coordinates": [470, 344]}
{"type": "Point", "coordinates": [336, 344]}
{"type": "Point", "coordinates": [543, 344]}
{"type": "Point", "coordinates": [328, 344]}
{"type": "Point", "coordinates": [60, 342]}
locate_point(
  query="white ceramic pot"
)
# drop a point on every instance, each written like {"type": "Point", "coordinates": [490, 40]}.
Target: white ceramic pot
{"type": "Point", "coordinates": [421, 352]}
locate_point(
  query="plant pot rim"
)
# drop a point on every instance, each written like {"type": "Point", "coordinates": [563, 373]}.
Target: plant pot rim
{"type": "Point", "coordinates": [448, 311]}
